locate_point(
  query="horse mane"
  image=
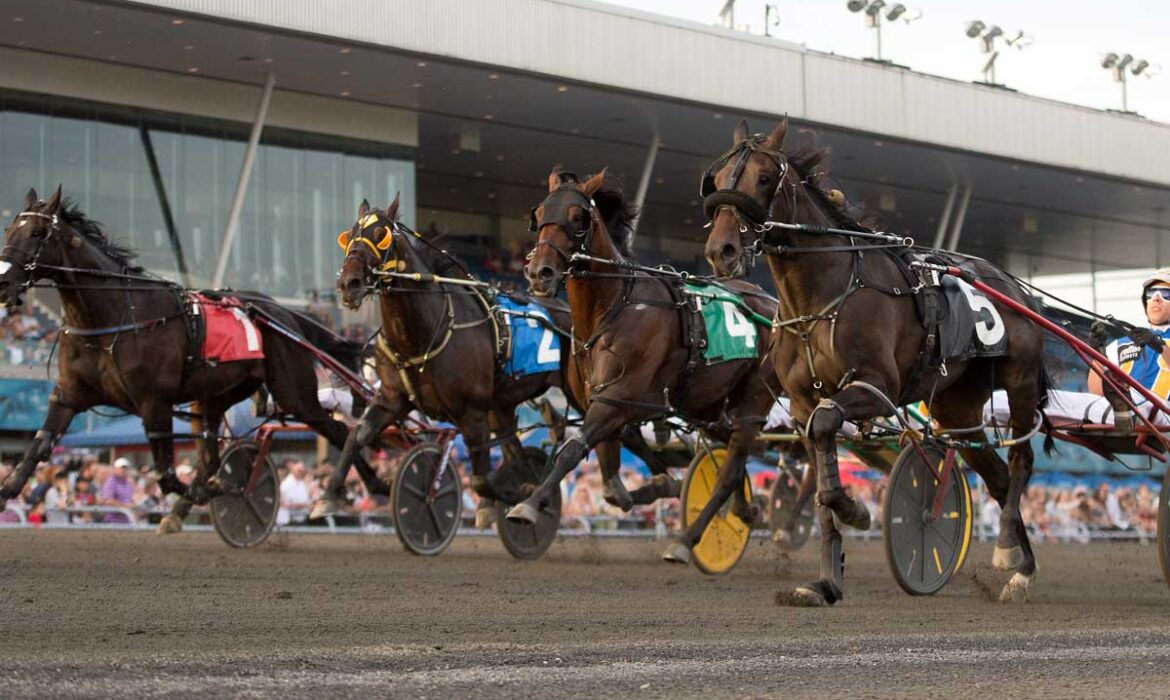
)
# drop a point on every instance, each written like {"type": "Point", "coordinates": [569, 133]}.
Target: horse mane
{"type": "Point", "coordinates": [442, 263]}
{"type": "Point", "coordinates": [811, 165]}
{"type": "Point", "coordinates": [93, 232]}
{"type": "Point", "coordinates": [617, 212]}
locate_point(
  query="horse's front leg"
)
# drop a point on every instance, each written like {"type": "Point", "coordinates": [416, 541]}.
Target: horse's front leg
{"type": "Point", "coordinates": [57, 421]}
{"type": "Point", "coordinates": [602, 422]}
{"type": "Point", "coordinates": [853, 403]}
{"type": "Point", "coordinates": [661, 484]}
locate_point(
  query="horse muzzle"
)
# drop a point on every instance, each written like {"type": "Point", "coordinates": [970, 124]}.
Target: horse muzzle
{"type": "Point", "coordinates": [544, 280]}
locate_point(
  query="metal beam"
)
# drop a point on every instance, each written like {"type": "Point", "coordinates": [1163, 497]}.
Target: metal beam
{"type": "Point", "coordinates": [960, 218]}
{"type": "Point", "coordinates": [229, 232]}
{"type": "Point", "coordinates": [644, 181]}
{"type": "Point", "coordinates": [160, 191]}
{"type": "Point", "coordinates": [940, 234]}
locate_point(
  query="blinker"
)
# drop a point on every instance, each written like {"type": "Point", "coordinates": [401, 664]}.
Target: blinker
{"type": "Point", "coordinates": [343, 240]}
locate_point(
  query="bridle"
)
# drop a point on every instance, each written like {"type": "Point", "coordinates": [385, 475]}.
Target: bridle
{"type": "Point", "coordinates": [32, 260]}
{"type": "Point", "coordinates": [555, 212]}
{"type": "Point", "coordinates": [749, 213]}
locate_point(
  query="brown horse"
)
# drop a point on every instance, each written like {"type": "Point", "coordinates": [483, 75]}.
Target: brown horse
{"type": "Point", "coordinates": [128, 343]}
{"type": "Point", "coordinates": [440, 351]}
{"type": "Point", "coordinates": [632, 358]}
{"type": "Point", "coordinates": [850, 346]}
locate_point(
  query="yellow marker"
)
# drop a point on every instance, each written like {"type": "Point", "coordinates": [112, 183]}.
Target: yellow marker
{"type": "Point", "coordinates": [937, 563]}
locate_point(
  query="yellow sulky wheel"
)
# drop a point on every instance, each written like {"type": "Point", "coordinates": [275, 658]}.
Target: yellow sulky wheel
{"type": "Point", "coordinates": [726, 537]}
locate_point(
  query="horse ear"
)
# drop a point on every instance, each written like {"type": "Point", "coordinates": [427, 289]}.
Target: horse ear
{"type": "Point", "coordinates": [741, 132]}
{"type": "Point", "coordinates": [363, 209]}
{"type": "Point", "coordinates": [54, 202]}
{"type": "Point", "coordinates": [590, 186]}
{"type": "Point", "coordinates": [554, 178]}
{"type": "Point", "coordinates": [392, 210]}
{"type": "Point", "coordinates": [776, 138]}
{"type": "Point", "coordinates": [30, 199]}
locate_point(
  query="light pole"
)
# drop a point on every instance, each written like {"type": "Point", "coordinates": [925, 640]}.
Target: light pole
{"type": "Point", "coordinates": [771, 18]}
{"type": "Point", "coordinates": [987, 36]}
{"type": "Point", "coordinates": [873, 16]}
{"type": "Point", "coordinates": [1117, 65]}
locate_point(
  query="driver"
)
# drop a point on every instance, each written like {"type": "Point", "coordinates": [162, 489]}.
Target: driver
{"type": "Point", "coordinates": [1143, 354]}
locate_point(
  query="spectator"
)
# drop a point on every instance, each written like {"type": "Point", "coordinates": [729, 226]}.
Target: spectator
{"type": "Point", "coordinates": [58, 499]}
{"type": "Point", "coordinates": [118, 490]}
{"type": "Point", "coordinates": [294, 494]}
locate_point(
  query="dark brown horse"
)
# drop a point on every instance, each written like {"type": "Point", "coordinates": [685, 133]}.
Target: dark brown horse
{"type": "Point", "coordinates": [850, 346]}
{"type": "Point", "coordinates": [440, 351]}
{"type": "Point", "coordinates": [127, 343]}
{"type": "Point", "coordinates": [632, 360]}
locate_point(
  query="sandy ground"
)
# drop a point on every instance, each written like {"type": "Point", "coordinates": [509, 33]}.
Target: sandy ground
{"type": "Point", "coordinates": [134, 615]}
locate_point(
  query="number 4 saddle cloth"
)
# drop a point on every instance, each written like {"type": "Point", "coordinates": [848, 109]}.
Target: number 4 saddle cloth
{"type": "Point", "coordinates": [728, 323]}
{"type": "Point", "coordinates": [228, 333]}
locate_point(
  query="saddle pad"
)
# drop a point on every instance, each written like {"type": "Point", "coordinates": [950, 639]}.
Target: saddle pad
{"type": "Point", "coordinates": [228, 335]}
{"type": "Point", "coordinates": [535, 347]}
{"type": "Point", "coordinates": [731, 335]}
{"type": "Point", "coordinates": [973, 326]}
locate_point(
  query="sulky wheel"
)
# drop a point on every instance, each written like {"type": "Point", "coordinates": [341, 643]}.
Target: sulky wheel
{"type": "Point", "coordinates": [427, 505]}
{"type": "Point", "coordinates": [243, 517]}
{"type": "Point", "coordinates": [785, 491]}
{"type": "Point", "coordinates": [924, 551]}
{"type": "Point", "coordinates": [524, 540]}
{"type": "Point", "coordinates": [1164, 527]}
{"type": "Point", "coordinates": [726, 537]}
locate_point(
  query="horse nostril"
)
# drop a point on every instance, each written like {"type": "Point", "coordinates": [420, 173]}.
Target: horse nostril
{"type": "Point", "coordinates": [729, 251]}
{"type": "Point", "coordinates": [353, 285]}
{"type": "Point", "coordinates": [546, 273]}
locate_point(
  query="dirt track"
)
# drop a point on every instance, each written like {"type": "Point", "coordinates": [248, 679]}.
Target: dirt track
{"type": "Point", "coordinates": [130, 614]}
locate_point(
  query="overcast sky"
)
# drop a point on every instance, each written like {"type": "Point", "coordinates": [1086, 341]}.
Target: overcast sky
{"type": "Point", "coordinates": [1062, 63]}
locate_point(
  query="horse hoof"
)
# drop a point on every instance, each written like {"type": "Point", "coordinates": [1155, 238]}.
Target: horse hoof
{"type": "Point", "coordinates": [323, 508]}
{"type": "Point", "coordinates": [782, 538]}
{"type": "Point", "coordinates": [809, 597]}
{"type": "Point", "coordinates": [616, 495]}
{"type": "Point", "coordinates": [1007, 559]}
{"type": "Point", "coordinates": [169, 525]}
{"type": "Point", "coordinates": [523, 513]}
{"type": "Point", "coordinates": [1016, 590]}
{"type": "Point", "coordinates": [485, 514]}
{"type": "Point", "coordinates": [677, 553]}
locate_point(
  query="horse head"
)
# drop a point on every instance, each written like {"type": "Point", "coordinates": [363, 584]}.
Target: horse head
{"type": "Point", "coordinates": [370, 246]}
{"type": "Point", "coordinates": [565, 224]}
{"type": "Point", "coordinates": [38, 240]}
{"type": "Point", "coordinates": [741, 190]}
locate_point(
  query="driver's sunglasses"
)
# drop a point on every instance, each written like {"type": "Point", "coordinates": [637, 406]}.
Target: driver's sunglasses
{"type": "Point", "coordinates": [1162, 293]}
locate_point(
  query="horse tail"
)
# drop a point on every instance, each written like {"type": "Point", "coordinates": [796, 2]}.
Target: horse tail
{"type": "Point", "coordinates": [1042, 403]}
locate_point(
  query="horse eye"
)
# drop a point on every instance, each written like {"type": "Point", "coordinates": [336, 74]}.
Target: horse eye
{"type": "Point", "coordinates": [765, 179]}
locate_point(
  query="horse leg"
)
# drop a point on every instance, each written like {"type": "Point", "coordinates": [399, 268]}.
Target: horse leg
{"type": "Point", "coordinates": [57, 421]}
{"type": "Point", "coordinates": [1013, 551]}
{"type": "Point", "coordinates": [853, 403]}
{"type": "Point", "coordinates": [158, 420]}
{"type": "Point", "coordinates": [609, 454]}
{"type": "Point", "coordinates": [205, 485]}
{"type": "Point", "coordinates": [602, 421]}
{"type": "Point", "coordinates": [662, 484]}
{"type": "Point", "coordinates": [808, 480]}
{"type": "Point", "coordinates": [728, 482]}
{"type": "Point", "coordinates": [374, 420]}
{"type": "Point", "coordinates": [476, 429]}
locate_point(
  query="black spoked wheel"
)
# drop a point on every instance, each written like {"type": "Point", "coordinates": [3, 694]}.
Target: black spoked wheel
{"type": "Point", "coordinates": [1164, 527]}
{"type": "Point", "coordinates": [785, 490]}
{"type": "Point", "coordinates": [925, 552]}
{"type": "Point", "coordinates": [427, 505]}
{"type": "Point", "coordinates": [525, 540]}
{"type": "Point", "coordinates": [245, 517]}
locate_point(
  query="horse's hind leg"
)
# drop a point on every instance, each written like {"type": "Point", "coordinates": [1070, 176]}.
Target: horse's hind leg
{"type": "Point", "coordinates": [661, 484]}
{"type": "Point", "coordinates": [1013, 551]}
{"type": "Point", "coordinates": [374, 420]}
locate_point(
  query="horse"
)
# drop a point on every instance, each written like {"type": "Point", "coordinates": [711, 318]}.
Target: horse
{"type": "Point", "coordinates": [850, 345]}
{"type": "Point", "coordinates": [633, 357]}
{"type": "Point", "coordinates": [440, 352]}
{"type": "Point", "coordinates": [129, 341]}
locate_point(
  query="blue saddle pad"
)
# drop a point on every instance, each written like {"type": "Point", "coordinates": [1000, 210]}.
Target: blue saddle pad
{"type": "Point", "coordinates": [535, 347]}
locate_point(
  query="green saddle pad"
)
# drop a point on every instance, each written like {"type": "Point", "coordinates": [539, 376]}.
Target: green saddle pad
{"type": "Point", "coordinates": [729, 323]}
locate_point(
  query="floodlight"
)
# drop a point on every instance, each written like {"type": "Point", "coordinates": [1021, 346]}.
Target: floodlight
{"type": "Point", "coordinates": [875, 7]}
{"type": "Point", "coordinates": [992, 33]}
{"type": "Point", "coordinates": [1109, 60]}
{"type": "Point", "coordinates": [1116, 64]}
{"type": "Point", "coordinates": [975, 28]}
{"type": "Point", "coordinates": [1140, 66]}
{"type": "Point", "coordinates": [856, 5]}
{"type": "Point", "coordinates": [895, 12]}
{"type": "Point", "coordinates": [1125, 61]}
